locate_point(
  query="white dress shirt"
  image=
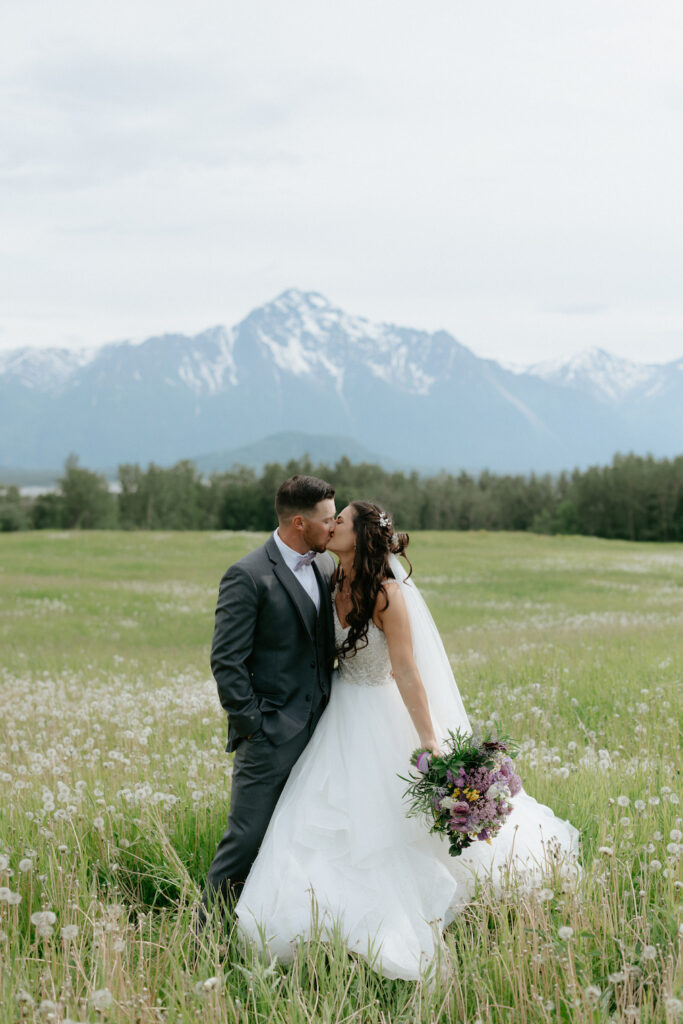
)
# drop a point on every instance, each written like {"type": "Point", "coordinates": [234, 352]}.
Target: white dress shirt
{"type": "Point", "coordinates": [304, 574]}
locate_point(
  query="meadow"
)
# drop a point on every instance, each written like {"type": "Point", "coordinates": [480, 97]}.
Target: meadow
{"type": "Point", "coordinates": [115, 785]}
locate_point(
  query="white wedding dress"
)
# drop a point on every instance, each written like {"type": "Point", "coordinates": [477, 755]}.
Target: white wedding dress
{"type": "Point", "coordinates": [340, 856]}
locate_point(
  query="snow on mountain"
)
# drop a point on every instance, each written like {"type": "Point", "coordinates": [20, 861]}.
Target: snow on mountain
{"type": "Point", "coordinates": [306, 335]}
{"type": "Point", "coordinates": [607, 376]}
{"type": "Point", "coordinates": [300, 364]}
{"type": "Point", "coordinates": [46, 369]}
{"type": "Point", "coordinates": [209, 364]}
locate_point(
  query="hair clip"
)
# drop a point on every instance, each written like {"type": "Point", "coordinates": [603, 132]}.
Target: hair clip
{"type": "Point", "coordinates": [384, 520]}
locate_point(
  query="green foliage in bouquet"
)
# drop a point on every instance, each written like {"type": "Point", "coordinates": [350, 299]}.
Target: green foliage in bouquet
{"type": "Point", "coordinates": [465, 793]}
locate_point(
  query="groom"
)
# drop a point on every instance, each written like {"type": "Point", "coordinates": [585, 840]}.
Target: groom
{"type": "Point", "coordinates": [272, 655]}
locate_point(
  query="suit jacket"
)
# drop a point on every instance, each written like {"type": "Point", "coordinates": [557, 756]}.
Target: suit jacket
{"type": "Point", "coordinates": [272, 653]}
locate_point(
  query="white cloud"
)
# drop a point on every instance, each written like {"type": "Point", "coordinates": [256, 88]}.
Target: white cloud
{"type": "Point", "coordinates": [506, 171]}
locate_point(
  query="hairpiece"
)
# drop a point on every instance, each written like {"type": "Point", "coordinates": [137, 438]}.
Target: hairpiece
{"type": "Point", "coordinates": [384, 519]}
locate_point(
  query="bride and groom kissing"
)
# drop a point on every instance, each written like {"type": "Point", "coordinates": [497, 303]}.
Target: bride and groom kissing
{"type": "Point", "coordinates": [331, 674]}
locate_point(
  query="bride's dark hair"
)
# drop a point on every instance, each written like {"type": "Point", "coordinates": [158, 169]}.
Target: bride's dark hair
{"type": "Point", "coordinates": [375, 541]}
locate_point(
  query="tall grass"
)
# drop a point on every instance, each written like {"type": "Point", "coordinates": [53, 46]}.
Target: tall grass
{"type": "Point", "coordinates": [115, 786]}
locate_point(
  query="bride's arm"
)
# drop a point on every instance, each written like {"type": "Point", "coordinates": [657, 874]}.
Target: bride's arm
{"type": "Point", "coordinates": [394, 621]}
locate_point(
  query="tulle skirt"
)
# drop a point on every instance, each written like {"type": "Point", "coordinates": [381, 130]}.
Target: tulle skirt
{"type": "Point", "coordinates": [341, 857]}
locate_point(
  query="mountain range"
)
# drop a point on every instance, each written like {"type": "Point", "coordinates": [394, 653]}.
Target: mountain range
{"type": "Point", "coordinates": [300, 367]}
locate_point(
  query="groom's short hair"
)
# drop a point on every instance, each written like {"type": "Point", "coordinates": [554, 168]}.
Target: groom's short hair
{"type": "Point", "coordinates": [299, 495]}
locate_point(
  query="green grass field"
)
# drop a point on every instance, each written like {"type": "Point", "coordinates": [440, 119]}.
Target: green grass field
{"type": "Point", "coordinates": [115, 784]}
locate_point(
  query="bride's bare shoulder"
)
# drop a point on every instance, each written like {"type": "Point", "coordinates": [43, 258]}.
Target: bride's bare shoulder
{"type": "Point", "coordinates": [389, 596]}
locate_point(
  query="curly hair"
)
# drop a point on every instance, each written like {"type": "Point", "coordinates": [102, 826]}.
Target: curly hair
{"type": "Point", "coordinates": [375, 541]}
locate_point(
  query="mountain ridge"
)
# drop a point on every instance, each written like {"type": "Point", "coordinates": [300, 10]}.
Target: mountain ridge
{"type": "Point", "coordinates": [301, 364]}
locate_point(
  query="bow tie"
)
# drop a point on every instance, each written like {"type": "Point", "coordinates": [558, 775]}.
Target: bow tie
{"type": "Point", "coordinates": [305, 560]}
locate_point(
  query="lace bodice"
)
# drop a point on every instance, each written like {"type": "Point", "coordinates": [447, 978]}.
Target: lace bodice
{"type": "Point", "coordinates": [369, 666]}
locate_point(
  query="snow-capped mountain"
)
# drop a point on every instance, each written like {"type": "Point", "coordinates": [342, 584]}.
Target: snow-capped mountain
{"type": "Point", "coordinates": [47, 369]}
{"type": "Point", "coordinates": [300, 364]}
{"type": "Point", "coordinates": [607, 376]}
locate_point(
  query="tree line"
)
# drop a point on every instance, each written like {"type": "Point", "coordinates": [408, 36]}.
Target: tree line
{"type": "Point", "coordinates": [634, 498]}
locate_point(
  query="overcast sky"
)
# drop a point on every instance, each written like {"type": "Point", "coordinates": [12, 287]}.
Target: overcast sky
{"type": "Point", "coordinates": [509, 171]}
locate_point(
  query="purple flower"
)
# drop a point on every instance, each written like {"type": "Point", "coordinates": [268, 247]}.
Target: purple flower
{"type": "Point", "coordinates": [458, 826]}
{"type": "Point", "coordinates": [423, 762]}
{"type": "Point", "coordinates": [515, 784]}
{"type": "Point", "coordinates": [483, 834]}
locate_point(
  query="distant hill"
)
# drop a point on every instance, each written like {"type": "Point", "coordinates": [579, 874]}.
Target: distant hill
{"type": "Point", "coordinates": [290, 445]}
{"type": "Point", "coordinates": [299, 365]}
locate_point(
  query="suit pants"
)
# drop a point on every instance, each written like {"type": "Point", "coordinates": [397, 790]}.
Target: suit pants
{"type": "Point", "coordinates": [260, 771]}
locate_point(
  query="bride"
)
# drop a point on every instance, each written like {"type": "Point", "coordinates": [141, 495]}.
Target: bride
{"type": "Point", "coordinates": [340, 856]}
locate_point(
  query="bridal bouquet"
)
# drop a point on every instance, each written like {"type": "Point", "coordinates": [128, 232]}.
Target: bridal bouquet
{"type": "Point", "coordinates": [466, 792]}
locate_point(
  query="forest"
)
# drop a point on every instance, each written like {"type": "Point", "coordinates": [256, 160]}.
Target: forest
{"type": "Point", "coordinates": [636, 498]}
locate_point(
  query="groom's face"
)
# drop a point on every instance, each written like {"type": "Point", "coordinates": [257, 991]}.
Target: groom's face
{"type": "Point", "coordinates": [318, 526]}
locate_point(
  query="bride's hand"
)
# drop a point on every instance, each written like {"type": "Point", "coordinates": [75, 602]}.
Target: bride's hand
{"type": "Point", "coordinates": [433, 746]}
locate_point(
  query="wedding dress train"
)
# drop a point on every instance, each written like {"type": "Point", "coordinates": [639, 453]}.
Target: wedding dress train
{"type": "Point", "coordinates": [340, 855]}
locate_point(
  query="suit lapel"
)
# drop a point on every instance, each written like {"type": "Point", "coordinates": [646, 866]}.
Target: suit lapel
{"type": "Point", "coordinates": [298, 595]}
{"type": "Point", "coordinates": [325, 607]}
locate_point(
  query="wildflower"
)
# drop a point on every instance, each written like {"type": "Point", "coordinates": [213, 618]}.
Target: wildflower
{"type": "Point", "coordinates": [565, 933]}
{"type": "Point", "coordinates": [14, 899]}
{"type": "Point", "coordinates": [101, 999]}
{"type": "Point", "coordinates": [649, 953]}
{"type": "Point", "coordinates": [675, 835]}
{"type": "Point", "coordinates": [545, 894]}
{"type": "Point", "coordinates": [655, 865]}
{"type": "Point", "coordinates": [592, 993]}
{"type": "Point", "coordinates": [210, 984]}
{"type": "Point", "coordinates": [639, 805]}
{"type": "Point", "coordinates": [607, 850]}
{"type": "Point", "coordinates": [623, 801]}
{"type": "Point", "coordinates": [25, 864]}
{"type": "Point", "coordinates": [42, 918]}
{"type": "Point", "coordinates": [69, 932]}
{"type": "Point", "coordinates": [674, 1006]}
{"type": "Point", "coordinates": [4, 862]}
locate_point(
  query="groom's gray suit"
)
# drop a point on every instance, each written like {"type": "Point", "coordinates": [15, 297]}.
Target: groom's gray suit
{"type": "Point", "coordinates": [272, 658]}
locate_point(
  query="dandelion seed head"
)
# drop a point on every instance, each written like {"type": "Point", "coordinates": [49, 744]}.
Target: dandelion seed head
{"type": "Point", "coordinates": [101, 999]}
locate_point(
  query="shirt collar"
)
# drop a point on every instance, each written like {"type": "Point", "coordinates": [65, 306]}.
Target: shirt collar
{"type": "Point", "coordinates": [290, 556]}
